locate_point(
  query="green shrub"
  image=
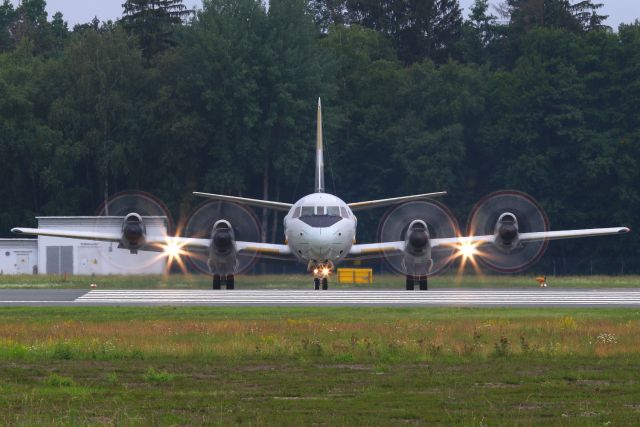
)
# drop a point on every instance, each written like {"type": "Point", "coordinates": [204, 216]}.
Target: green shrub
{"type": "Point", "coordinates": [55, 380]}
{"type": "Point", "coordinates": [158, 376]}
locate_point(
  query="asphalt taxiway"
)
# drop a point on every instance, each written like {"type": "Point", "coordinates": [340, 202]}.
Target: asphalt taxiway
{"type": "Point", "coordinates": [362, 298]}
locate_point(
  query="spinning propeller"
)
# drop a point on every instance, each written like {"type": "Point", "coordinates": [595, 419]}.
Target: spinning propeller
{"type": "Point", "coordinates": [132, 206]}
{"type": "Point", "coordinates": [506, 214]}
{"type": "Point", "coordinates": [246, 227]}
{"type": "Point", "coordinates": [394, 226]}
{"type": "Point", "coordinates": [140, 202]}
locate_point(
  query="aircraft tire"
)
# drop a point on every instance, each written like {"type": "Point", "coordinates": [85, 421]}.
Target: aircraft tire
{"type": "Point", "coordinates": [216, 282]}
{"type": "Point", "coordinates": [423, 284]}
{"type": "Point", "coordinates": [410, 283]}
{"type": "Point", "coordinates": [325, 284]}
{"type": "Point", "coordinates": [231, 282]}
{"type": "Point", "coordinates": [316, 284]}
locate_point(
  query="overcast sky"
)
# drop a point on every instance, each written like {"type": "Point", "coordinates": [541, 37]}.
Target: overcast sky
{"type": "Point", "coordinates": [80, 11]}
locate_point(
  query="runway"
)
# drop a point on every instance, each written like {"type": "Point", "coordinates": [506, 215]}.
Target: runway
{"type": "Point", "coordinates": [357, 298]}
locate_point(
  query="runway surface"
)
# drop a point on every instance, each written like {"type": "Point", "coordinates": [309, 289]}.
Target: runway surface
{"type": "Point", "coordinates": [372, 298]}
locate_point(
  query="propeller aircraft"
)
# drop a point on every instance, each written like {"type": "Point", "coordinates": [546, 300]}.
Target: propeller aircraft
{"type": "Point", "coordinates": [418, 236]}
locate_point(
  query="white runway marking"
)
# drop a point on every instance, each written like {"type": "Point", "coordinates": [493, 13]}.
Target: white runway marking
{"type": "Point", "coordinates": [457, 297]}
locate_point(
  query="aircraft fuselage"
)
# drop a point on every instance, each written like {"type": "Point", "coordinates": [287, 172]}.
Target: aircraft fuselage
{"type": "Point", "coordinates": [320, 229]}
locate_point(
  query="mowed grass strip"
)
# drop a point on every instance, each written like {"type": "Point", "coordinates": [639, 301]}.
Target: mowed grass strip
{"type": "Point", "coordinates": [303, 281]}
{"type": "Point", "coordinates": [269, 366]}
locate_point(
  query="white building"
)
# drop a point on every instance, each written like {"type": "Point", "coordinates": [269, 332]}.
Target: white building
{"type": "Point", "coordinates": [18, 256]}
{"type": "Point", "coordinates": [56, 255]}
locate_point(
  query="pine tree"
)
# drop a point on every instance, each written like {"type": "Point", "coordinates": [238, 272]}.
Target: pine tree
{"type": "Point", "coordinates": [154, 22]}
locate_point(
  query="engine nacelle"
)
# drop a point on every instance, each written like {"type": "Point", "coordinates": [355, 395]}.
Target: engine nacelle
{"type": "Point", "coordinates": [417, 250]}
{"type": "Point", "coordinates": [506, 232]}
{"type": "Point", "coordinates": [222, 251]}
{"type": "Point", "coordinates": [133, 233]}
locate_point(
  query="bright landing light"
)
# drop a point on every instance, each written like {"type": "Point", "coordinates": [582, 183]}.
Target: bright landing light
{"type": "Point", "coordinates": [174, 251]}
{"type": "Point", "coordinates": [467, 250]}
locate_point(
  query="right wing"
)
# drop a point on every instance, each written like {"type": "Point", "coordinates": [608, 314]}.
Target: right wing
{"type": "Point", "coordinates": [244, 201]}
{"type": "Point", "coordinates": [370, 204]}
{"type": "Point", "coordinates": [85, 235]}
{"type": "Point", "coordinates": [152, 243]}
{"type": "Point", "coordinates": [265, 250]}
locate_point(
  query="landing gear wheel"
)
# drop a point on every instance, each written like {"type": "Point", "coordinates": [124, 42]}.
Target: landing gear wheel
{"type": "Point", "coordinates": [410, 283]}
{"type": "Point", "coordinates": [325, 284]}
{"type": "Point", "coordinates": [423, 284]}
{"type": "Point", "coordinates": [216, 282]}
{"type": "Point", "coordinates": [316, 284]}
{"type": "Point", "coordinates": [231, 282]}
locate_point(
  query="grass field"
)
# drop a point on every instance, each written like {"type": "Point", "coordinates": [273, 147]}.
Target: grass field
{"type": "Point", "coordinates": [303, 281]}
{"type": "Point", "coordinates": [300, 366]}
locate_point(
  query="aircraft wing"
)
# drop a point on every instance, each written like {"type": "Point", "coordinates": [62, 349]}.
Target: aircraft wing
{"type": "Point", "coordinates": [532, 237]}
{"type": "Point", "coordinates": [85, 235]}
{"type": "Point", "coordinates": [265, 250]}
{"type": "Point", "coordinates": [375, 250]}
{"type": "Point", "coordinates": [245, 201]}
{"type": "Point", "coordinates": [370, 204]}
{"type": "Point", "coordinates": [152, 243]}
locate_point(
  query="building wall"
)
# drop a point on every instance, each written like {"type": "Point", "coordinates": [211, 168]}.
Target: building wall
{"type": "Point", "coordinates": [85, 257]}
{"type": "Point", "coordinates": [18, 256]}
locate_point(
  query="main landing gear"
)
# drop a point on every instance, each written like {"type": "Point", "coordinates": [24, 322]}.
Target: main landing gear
{"type": "Point", "coordinates": [421, 280]}
{"type": "Point", "coordinates": [228, 279]}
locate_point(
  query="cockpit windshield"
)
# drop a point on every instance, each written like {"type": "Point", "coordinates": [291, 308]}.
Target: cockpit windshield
{"type": "Point", "coordinates": [307, 211]}
{"type": "Point", "coordinates": [333, 211]}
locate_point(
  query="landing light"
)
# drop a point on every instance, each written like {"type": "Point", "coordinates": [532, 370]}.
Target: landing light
{"type": "Point", "coordinates": [172, 249]}
{"type": "Point", "coordinates": [467, 250]}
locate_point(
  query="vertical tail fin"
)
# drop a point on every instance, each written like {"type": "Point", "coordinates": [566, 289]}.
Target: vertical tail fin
{"type": "Point", "coordinates": [319, 155]}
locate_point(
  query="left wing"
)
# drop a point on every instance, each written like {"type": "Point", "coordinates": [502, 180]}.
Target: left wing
{"type": "Point", "coordinates": [376, 250]}
{"type": "Point", "coordinates": [532, 237]}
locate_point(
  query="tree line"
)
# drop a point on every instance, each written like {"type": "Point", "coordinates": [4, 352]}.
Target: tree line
{"type": "Point", "coordinates": [538, 95]}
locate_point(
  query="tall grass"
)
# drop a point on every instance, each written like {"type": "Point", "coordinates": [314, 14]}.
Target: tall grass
{"type": "Point", "coordinates": [302, 338]}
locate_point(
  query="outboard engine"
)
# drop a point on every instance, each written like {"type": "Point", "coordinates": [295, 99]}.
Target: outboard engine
{"type": "Point", "coordinates": [506, 232]}
{"type": "Point", "coordinates": [133, 233]}
{"type": "Point", "coordinates": [417, 250]}
{"type": "Point", "coordinates": [222, 252]}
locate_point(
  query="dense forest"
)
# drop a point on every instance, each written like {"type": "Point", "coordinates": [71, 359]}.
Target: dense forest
{"type": "Point", "coordinates": [536, 95]}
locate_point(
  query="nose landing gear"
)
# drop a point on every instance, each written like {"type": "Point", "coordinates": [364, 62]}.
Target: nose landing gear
{"type": "Point", "coordinates": [321, 273]}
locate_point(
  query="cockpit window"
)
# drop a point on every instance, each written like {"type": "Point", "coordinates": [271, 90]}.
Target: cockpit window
{"type": "Point", "coordinates": [307, 211]}
{"type": "Point", "coordinates": [343, 212]}
{"type": "Point", "coordinates": [296, 212]}
{"type": "Point", "coordinates": [333, 211]}
{"type": "Point", "coordinates": [320, 210]}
